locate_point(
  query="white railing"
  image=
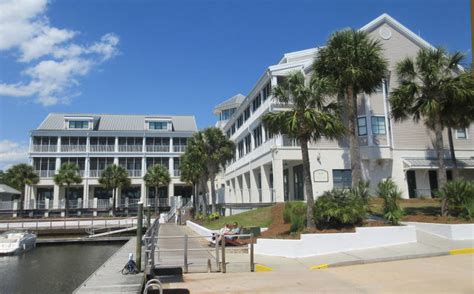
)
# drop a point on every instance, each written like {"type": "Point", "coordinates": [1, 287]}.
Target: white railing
{"type": "Point", "coordinates": [162, 202]}
{"type": "Point", "coordinates": [290, 142]}
{"type": "Point", "coordinates": [40, 204]}
{"type": "Point", "coordinates": [6, 205]}
{"type": "Point", "coordinates": [102, 148]}
{"type": "Point", "coordinates": [75, 204]}
{"type": "Point", "coordinates": [82, 173]}
{"type": "Point", "coordinates": [45, 148]}
{"type": "Point", "coordinates": [73, 148]}
{"type": "Point", "coordinates": [157, 148]}
{"type": "Point", "coordinates": [91, 203]}
{"type": "Point", "coordinates": [45, 173]}
{"type": "Point", "coordinates": [95, 173]}
{"type": "Point", "coordinates": [130, 148]}
{"type": "Point", "coordinates": [103, 203]}
{"type": "Point", "coordinates": [177, 172]}
{"type": "Point", "coordinates": [179, 148]}
{"type": "Point", "coordinates": [134, 173]}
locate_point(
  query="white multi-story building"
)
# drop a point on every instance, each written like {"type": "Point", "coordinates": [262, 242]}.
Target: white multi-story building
{"type": "Point", "coordinates": [93, 141]}
{"type": "Point", "coordinates": [269, 169]}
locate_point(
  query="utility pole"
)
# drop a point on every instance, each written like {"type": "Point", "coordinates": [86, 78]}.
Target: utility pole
{"type": "Point", "coordinates": [139, 236]}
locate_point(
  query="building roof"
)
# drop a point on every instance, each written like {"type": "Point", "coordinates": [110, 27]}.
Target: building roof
{"type": "Point", "coordinates": [232, 102]}
{"type": "Point", "coordinates": [427, 163]}
{"type": "Point", "coordinates": [119, 122]}
{"type": "Point", "coordinates": [4, 189]}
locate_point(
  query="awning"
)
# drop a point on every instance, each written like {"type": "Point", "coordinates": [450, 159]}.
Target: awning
{"type": "Point", "coordinates": [4, 189]}
{"type": "Point", "coordinates": [432, 163]}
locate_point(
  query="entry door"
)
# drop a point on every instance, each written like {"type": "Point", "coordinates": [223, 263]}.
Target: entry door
{"type": "Point", "coordinates": [298, 181]}
{"type": "Point", "coordinates": [411, 180]}
{"type": "Point", "coordinates": [433, 175]}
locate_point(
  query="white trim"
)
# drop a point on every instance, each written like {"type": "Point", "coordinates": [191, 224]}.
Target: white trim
{"type": "Point", "coordinates": [466, 131]}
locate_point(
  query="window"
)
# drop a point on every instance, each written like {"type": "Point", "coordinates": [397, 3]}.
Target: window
{"type": "Point", "coordinates": [131, 163]}
{"type": "Point", "coordinates": [257, 136]}
{"type": "Point", "coordinates": [228, 133]}
{"type": "Point", "coordinates": [78, 124]}
{"type": "Point", "coordinates": [378, 125]}
{"type": "Point", "coordinates": [341, 178]}
{"type": "Point", "coordinates": [247, 113]}
{"type": "Point", "coordinates": [157, 125]}
{"type": "Point", "coordinates": [151, 161]}
{"type": "Point", "coordinates": [227, 113]}
{"type": "Point", "coordinates": [267, 91]}
{"type": "Point", "coordinates": [232, 129]}
{"type": "Point", "coordinates": [240, 148]}
{"type": "Point", "coordinates": [256, 102]}
{"type": "Point", "coordinates": [362, 126]}
{"type": "Point", "coordinates": [461, 134]}
{"type": "Point", "coordinates": [240, 121]}
{"type": "Point", "coordinates": [248, 143]}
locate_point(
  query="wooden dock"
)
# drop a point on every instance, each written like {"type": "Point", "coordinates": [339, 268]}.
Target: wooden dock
{"type": "Point", "coordinates": [109, 279]}
{"type": "Point", "coordinates": [43, 241]}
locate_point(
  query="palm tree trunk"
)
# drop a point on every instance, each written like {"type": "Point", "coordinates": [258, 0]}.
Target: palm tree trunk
{"type": "Point", "coordinates": [213, 193]}
{"type": "Point", "coordinates": [351, 106]}
{"type": "Point", "coordinates": [156, 201]}
{"type": "Point", "coordinates": [439, 148]}
{"type": "Point", "coordinates": [66, 198]}
{"type": "Point", "coordinates": [307, 183]}
{"type": "Point", "coordinates": [114, 195]}
{"type": "Point", "coordinates": [453, 154]}
{"type": "Point", "coordinates": [195, 199]}
{"type": "Point", "coordinates": [22, 200]}
{"type": "Point", "coordinates": [204, 195]}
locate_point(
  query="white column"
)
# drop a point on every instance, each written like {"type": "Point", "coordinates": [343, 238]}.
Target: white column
{"type": "Point", "coordinates": [88, 144]}
{"type": "Point", "coordinates": [253, 198]}
{"type": "Point", "coordinates": [144, 167]}
{"type": "Point", "coordinates": [368, 118]}
{"type": "Point", "coordinates": [144, 144]}
{"type": "Point", "coordinates": [265, 182]}
{"type": "Point", "coordinates": [171, 144]}
{"type": "Point", "coordinates": [59, 145]}
{"type": "Point", "coordinates": [85, 182]}
{"type": "Point", "coordinates": [143, 196]}
{"type": "Point", "coordinates": [116, 144]}
{"type": "Point", "coordinates": [247, 186]}
{"type": "Point", "coordinates": [171, 166]}
{"type": "Point", "coordinates": [116, 160]}
{"type": "Point", "coordinates": [56, 191]}
{"type": "Point", "coordinates": [238, 189]}
{"type": "Point", "coordinates": [386, 113]}
{"type": "Point", "coordinates": [278, 180]}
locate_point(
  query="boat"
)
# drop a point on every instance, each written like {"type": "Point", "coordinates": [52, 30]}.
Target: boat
{"type": "Point", "coordinates": [16, 242]}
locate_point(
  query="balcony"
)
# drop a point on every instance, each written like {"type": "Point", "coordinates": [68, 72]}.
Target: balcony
{"type": "Point", "coordinates": [134, 173]}
{"type": "Point", "coordinates": [130, 148]}
{"type": "Point", "coordinates": [102, 148]}
{"type": "Point", "coordinates": [46, 174]}
{"type": "Point", "coordinates": [95, 173]}
{"type": "Point", "coordinates": [157, 148]}
{"type": "Point", "coordinates": [179, 148]}
{"type": "Point", "coordinates": [45, 148]}
{"type": "Point", "coordinates": [73, 148]}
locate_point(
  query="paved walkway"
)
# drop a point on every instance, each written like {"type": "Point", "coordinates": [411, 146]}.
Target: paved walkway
{"type": "Point", "coordinates": [197, 259]}
{"type": "Point", "coordinates": [109, 279]}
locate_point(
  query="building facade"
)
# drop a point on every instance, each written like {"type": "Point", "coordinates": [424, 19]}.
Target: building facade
{"type": "Point", "coordinates": [94, 141]}
{"type": "Point", "coordinates": [269, 169]}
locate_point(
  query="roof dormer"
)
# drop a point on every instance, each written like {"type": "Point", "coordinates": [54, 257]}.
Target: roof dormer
{"type": "Point", "coordinates": [78, 122]}
{"type": "Point", "coordinates": [158, 124]}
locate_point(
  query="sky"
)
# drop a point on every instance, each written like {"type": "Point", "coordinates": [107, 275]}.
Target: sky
{"type": "Point", "coordinates": [171, 57]}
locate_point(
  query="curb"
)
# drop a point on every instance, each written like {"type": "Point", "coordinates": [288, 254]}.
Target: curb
{"type": "Point", "coordinates": [394, 258]}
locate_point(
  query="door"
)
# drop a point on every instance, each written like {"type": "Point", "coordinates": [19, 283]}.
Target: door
{"type": "Point", "coordinates": [411, 180]}
{"type": "Point", "coordinates": [298, 181]}
{"type": "Point", "coordinates": [433, 176]}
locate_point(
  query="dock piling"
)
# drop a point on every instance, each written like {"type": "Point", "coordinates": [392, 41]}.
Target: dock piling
{"type": "Point", "coordinates": [139, 235]}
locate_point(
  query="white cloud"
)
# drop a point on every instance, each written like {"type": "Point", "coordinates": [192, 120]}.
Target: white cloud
{"type": "Point", "coordinates": [12, 153]}
{"type": "Point", "coordinates": [54, 62]}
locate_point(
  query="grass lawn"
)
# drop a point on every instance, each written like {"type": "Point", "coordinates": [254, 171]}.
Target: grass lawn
{"type": "Point", "coordinates": [254, 218]}
{"type": "Point", "coordinates": [411, 206]}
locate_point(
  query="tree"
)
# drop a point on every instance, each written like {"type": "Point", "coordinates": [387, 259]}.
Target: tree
{"type": "Point", "coordinates": [68, 174]}
{"type": "Point", "coordinates": [354, 63]}
{"type": "Point", "coordinates": [428, 88]}
{"type": "Point", "coordinates": [18, 176]}
{"type": "Point", "coordinates": [308, 119]}
{"type": "Point", "coordinates": [192, 170]}
{"type": "Point", "coordinates": [217, 151]}
{"type": "Point", "coordinates": [114, 177]}
{"type": "Point", "coordinates": [157, 176]}
{"type": "Point", "coordinates": [3, 179]}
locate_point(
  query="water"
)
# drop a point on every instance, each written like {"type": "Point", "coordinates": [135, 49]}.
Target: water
{"type": "Point", "coordinates": [52, 268]}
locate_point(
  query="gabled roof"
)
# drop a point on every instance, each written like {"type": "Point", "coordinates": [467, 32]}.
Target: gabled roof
{"type": "Point", "coordinates": [119, 122]}
{"type": "Point", "coordinates": [232, 102]}
{"type": "Point", "coordinates": [4, 189]}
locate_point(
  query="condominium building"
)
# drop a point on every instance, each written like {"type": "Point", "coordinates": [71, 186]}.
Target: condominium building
{"type": "Point", "coordinates": [269, 169]}
{"type": "Point", "coordinates": [94, 141]}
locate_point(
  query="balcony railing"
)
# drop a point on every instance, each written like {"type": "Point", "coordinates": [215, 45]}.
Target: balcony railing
{"type": "Point", "coordinates": [45, 148]}
{"type": "Point", "coordinates": [6, 205]}
{"type": "Point", "coordinates": [130, 148]}
{"type": "Point", "coordinates": [95, 173]}
{"type": "Point", "coordinates": [179, 148]}
{"type": "Point", "coordinates": [46, 173]}
{"type": "Point", "coordinates": [102, 148]}
{"type": "Point", "coordinates": [177, 173]}
{"type": "Point", "coordinates": [103, 203]}
{"type": "Point", "coordinates": [157, 148]}
{"type": "Point", "coordinates": [134, 173]}
{"type": "Point", "coordinates": [73, 148]}
{"type": "Point", "coordinates": [162, 202]}
{"type": "Point", "coordinates": [290, 142]}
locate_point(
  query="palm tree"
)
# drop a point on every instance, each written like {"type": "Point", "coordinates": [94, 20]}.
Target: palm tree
{"type": "Point", "coordinates": [191, 171]}
{"type": "Point", "coordinates": [428, 87]}
{"type": "Point", "coordinates": [217, 150]}
{"type": "Point", "coordinates": [114, 177]}
{"type": "Point", "coordinates": [68, 174]}
{"type": "Point", "coordinates": [157, 176]}
{"type": "Point", "coordinates": [19, 176]}
{"type": "Point", "coordinates": [308, 119]}
{"type": "Point", "coordinates": [354, 63]}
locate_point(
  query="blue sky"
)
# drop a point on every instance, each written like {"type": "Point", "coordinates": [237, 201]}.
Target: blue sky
{"type": "Point", "coordinates": [171, 57]}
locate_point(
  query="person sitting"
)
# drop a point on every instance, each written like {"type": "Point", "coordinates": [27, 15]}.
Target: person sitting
{"type": "Point", "coordinates": [235, 231]}
{"type": "Point", "coordinates": [223, 231]}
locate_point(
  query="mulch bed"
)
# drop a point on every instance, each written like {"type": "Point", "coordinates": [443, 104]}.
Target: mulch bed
{"type": "Point", "coordinates": [435, 219]}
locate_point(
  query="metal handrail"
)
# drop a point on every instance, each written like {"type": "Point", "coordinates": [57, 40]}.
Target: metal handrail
{"type": "Point", "coordinates": [152, 283]}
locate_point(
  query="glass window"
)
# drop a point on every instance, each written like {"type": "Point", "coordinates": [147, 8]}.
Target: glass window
{"type": "Point", "coordinates": [362, 126]}
{"type": "Point", "coordinates": [227, 113]}
{"type": "Point", "coordinates": [240, 121]}
{"type": "Point", "coordinates": [341, 178]}
{"type": "Point", "coordinates": [257, 136]}
{"type": "Point", "coordinates": [158, 125]}
{"type": "Point", "coordinates": [246, 113]}
{"type": "Point", "coordinates": [78, 124]}
{"type": "Point", "coordinates": [267, 91]}
{"type": "Point", "coordinates": [461, 134]}
{"type": "Point", "coordinates": [240, 148]}
{"type": "Point", "coordinates": [248, 143]}
{"type": "Point", "coordinates": [256, 102]}
{"type": "Point", "coordinates": [378, 125]}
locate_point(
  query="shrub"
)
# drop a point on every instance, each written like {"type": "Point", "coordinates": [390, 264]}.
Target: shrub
{"type": "Point", "coordinates": [339, 208]}
{"type": "Point", "coordinates": [361, 190]}
{"type": "Point", "coordinates": [295, 214]}
{"type": "Point", "coordinates": [201, 217]}
{"type": "Point", "coordinates": [459, 198]}
{"type": "Point", "coordinates": [214, 216]}
{"type": "Point", "coordinates": [391, 195]}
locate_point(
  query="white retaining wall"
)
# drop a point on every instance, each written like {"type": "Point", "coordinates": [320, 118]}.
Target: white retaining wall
{"type": "Point", "coordinates": [320, 244]}
{"type": "Point", "coordinates": [200, 230]}
{"type": "Point", "coordinates": [448, 231]}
